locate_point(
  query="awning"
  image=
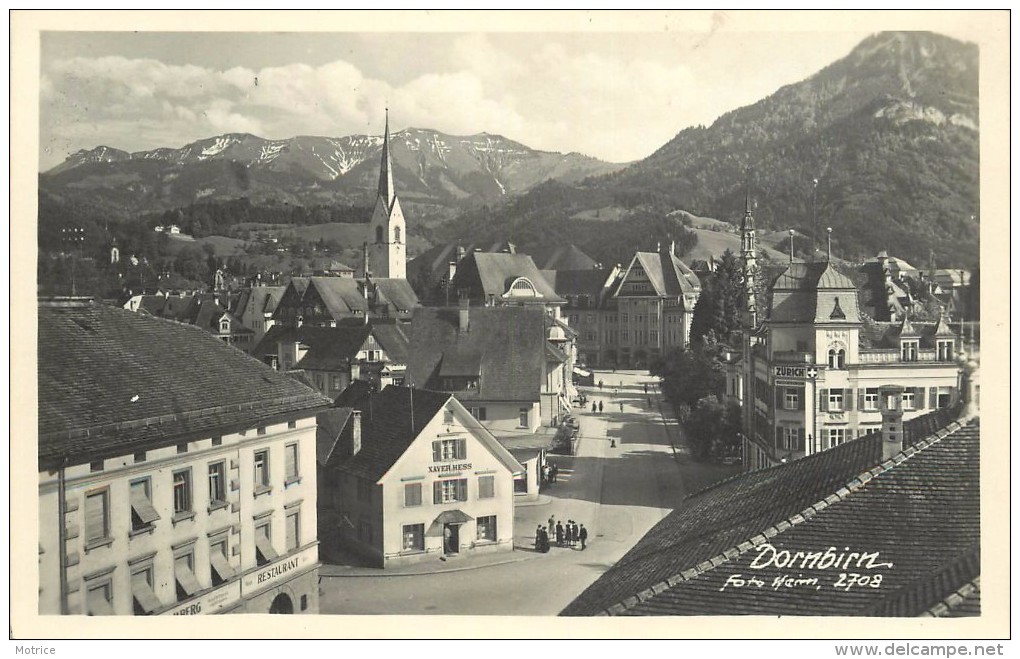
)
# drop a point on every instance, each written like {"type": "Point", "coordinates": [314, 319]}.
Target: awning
{"type": "Point", "coordinates": [221, 565]}
{"type": "Point", "coordinates": [453, 517]}
{"type": "Point", "coordinates": [142, 507]}
{"type": "Point", "coordinates": [143, 594]}
{"type": "Point", "coordinates": [265, 548]}
{"type": "Point", "coordinates": [186, 580]}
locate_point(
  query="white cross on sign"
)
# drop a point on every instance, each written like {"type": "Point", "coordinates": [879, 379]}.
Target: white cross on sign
{"type": "Point", "coordinates": [812, 372]}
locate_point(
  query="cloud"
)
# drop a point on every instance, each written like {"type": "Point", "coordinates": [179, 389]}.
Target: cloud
{"type": "Point", "coordinates": [603, 103]}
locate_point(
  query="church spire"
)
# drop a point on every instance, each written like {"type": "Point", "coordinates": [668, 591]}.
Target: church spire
{"type": "Point", "coordinates": [386, 190]}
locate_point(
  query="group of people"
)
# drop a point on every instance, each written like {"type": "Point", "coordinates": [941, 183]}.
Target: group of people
{"type": "Point", "coordinates": [596, 407]}
{"type": "Point", "coordinates": [549, 473]}
{"type": "Point", "coordinates": [570, 535]}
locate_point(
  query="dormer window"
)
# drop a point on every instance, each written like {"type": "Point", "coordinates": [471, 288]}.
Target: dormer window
{"type": "Point", "coordinates": [224, 325]}
{"type": "Point", "coordinates": [908, 351]}
{"type": "Point", "coordinates": [945, 351]}
{"type": "Point", "coordinates": [522, 287]}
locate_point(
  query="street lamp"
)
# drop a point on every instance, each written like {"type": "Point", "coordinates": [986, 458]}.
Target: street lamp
{"type": "Point", "coordinates": [812, 376]}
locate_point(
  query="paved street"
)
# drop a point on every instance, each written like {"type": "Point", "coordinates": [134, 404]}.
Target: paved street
{"type": "Point", "coordinates": [617, 493]}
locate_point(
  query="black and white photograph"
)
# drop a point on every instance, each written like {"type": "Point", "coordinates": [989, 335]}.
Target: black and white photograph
{"type": "Point", "coordinates": [406, 316]}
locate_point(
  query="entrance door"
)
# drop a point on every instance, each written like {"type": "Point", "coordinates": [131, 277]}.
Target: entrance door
{"type": "Point", "coordinates": [281, 604]}
{"type": "Point", "coordinates": [451, 538]}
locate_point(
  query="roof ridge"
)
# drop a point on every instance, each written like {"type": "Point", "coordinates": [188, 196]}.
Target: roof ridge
{"type": "Point", "coordinates": [954, 599]}
{"type": "Point", "coordinates": [855, 484]}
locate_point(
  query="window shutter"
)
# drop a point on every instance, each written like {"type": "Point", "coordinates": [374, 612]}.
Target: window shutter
{"type": "Point", "coordinates": [292, 531]}
{"type": "Point", "coordinates": [848, 398]}
{"type": "Point", "coordinates": [919, 397]}
{"type": "Point", "coordinates": [800, 439]}
{"type": "Point", "coordinates": [779, 437]}
{"type": "Point", "coordinates": [801, 394]}
{"type": "Point", "coordinates": [954, 395]}
{"type": "Point", "coordinates": [437, 452]}
{"type": "Point", "coordinates": [95, 516]}
{"type": "Point", "coordinates": [461, 449]}
{"type": "Point", "coordinates": [933, 397]}
{"type": "Point", "coordinates": [437, 492]}
{"type": "Point", "coordinates": [462, 490]}
{"type": "Point", "coordinates": [779, 398]}
{"type": "Point", "coordinates": [860, 398]}
{"type": "Point", "coordinates": [823, 400]}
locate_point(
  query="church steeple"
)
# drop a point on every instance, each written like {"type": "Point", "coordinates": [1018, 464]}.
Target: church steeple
{"type": "Point", "coordinates": [386, 190]}
{"type": "Point", "coordinates": [387, 252]}
{"type": "Point", "coordinates": [747, 253]}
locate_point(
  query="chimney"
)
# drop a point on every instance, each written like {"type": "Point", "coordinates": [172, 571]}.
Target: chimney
{"type": "Point", "coordinates": [658, 247]}
{"type": "Point", "coordinates": [464, 315]}
{"type": "Point", "coordinates": [891, 404]}
{"type": "Point", "coordinates": [791, 245]}
{"type": "Point", "coordinates": [461, 252]}
{"type": "Point", "coordinates": [672, 247]}
{"type": "Point", "coordinates": [300, 320]}
{"type": "Point", "coordinates": [355, 432]}
{"type": "Point", "coordinates": [450, 272]}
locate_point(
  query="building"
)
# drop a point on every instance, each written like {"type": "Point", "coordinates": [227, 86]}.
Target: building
{"type": "Point", "coordinates": [202, 310]}
{"type": "Point", "coordinates": [333, 357]}
{"type": "Point", "coordinates": [650, 311]}
{"type": "Point", "coordinates": [333, 301]}
{"type": "Point", "coordinates": [588, 294]}
{"type": "Point", "coordinates": [388, 252]}
{"type": "Point", "coordinates": [497, 361]}
{"type": "Point", "coordinates": [412, 476]}
{"type": "Point", "coordinates": [499, 279]}
{"type": "Point", "coordinates": [176, 475]}
{"type": "Point", "coordinates": [254, 306]}
{"type": "Point", "coordinates": [431, 272]}
{"type": "Point", "coordinates": [859, 530]}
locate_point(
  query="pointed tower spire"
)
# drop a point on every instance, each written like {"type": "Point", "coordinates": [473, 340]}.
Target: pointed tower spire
{"type": "Point", "coordinates": [386, 190]}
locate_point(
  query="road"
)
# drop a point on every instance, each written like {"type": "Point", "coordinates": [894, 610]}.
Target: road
{"type": "Point", "coordinates": [617, 493]}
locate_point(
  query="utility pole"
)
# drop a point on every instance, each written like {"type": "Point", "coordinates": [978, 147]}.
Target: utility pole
{"type": "Point", "coordinates": [814, 218]}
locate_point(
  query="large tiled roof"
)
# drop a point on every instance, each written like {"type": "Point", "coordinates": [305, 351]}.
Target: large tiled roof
{"type": "Point", "coordinates": [111, 381]}
{"type": "Point", "coordinates": [341, 295]}
{"type": "Point", "coordinates": [394, 340]}
{"type": "Point", "coordinates": [434, 263]}
{"type": "Point", "coordinates": [813, 292]}
{"type": "Point", "coordinates": [919, 511]}
{"type": "Point", "coordinates": [386, 430]}
{"type": "Point", "coordinates": [258, 299]}
{"type": "Point", "coordinates": [329, 348]}
{"type": "Point", "coordinates": [562, 257]}
{"type": "Point", "coordinates": [395, 293]}
{"type": "Point", "coordinates": [668, 275]}
{"type": "Point", "coordinates": [887, 334]}
{"type": "Point", "coordinates": [579, 282]}
{"type": "Point", "coordinates": [330, 427]}
{"type": "Point", "coordinates": [483, 274]}
{"type": "Point", "coordinates": [510, 342]}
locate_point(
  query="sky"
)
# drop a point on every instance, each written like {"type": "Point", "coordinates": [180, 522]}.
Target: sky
{"type": "Point", "coordinates": [617, 96]}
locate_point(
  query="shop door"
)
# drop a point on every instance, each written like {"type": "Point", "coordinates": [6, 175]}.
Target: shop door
{"type": "Point", "coordinates": [281, 604]}
{"type": "Point", "coordinates": [451, 538]}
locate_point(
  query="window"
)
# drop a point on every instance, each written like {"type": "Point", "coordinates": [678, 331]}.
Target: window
{"type": "Point", "coordinates": [217, 483]}
{"type": "Point", "coordinates": [264, 550]}
{"type": "Point", "coordinates": [182, 447]}
{"type": "Point", "coordinates": [941, 397]}
{"type": "Point", "coordinates": [836, 436]}
{"type": "Point", "coordinates": [837, 358]}
{"type": "Point", "coordinates": [145, 600]}
{"type": "Point", "coordinates": [414, 537]}
{"type": "Point", "coordinates": [261, 430]}
{"type": "Point", "coordinates": [97, 518]}
{"type": "Point", "coordinates": [446, 450]}
{"type": "Point", "coordinates": [486, 487]}
{"type": "Point", "coordinates": [261, 471]}
{"type": "Point", "coordinates": [623, 318]}
{"type": "Point", "coordinates": [525, 415]}
{"type": "Point", "coordinates": [378, 234]}
{"type": "Point", "coordinates": [791, 398]}
{"type": "Point", "coordinates": [870, 400]}
{"type": "Point", "coordinates": [217, 441]}
{"type": "Point", "coordinates": [909, 401]}
{"type": "Point", "coordinates": [479, 413]}
{"type": "Point", "coordinates": [96, 466]}
{"type": "Point", "coordinates": [337, 384]}
{"type": "Point", "coordinates": [793, 439]}
{"type": "Point", "coordinates": [486, 528]}
{"type": "Point", "coordinates": [293, 530]}
{"type": "Point", "coordinates": [448, 491]}
{"type": "Point", "coordinates": [365, 488]}
{"type": "Point", "coordinates": [291, 473]}
{"type": "Point", "coordinates": [908, 351]}
{"type": "Point", "coordinates": [945, 351]}
{"type": "Point", "coordinates": [624, 335]}
{"type": "Point", "coordinates": [835, 400]}
{"type": "Point", "coordinates": [140, 456]}
{"type": "Point", "coordinates": [182, 492]}
{"type": "Point", "coordinates": [218, 561]}
{"type": "Point", "coordinates": [412, 495]}
{"type": "Point", "coordinates": [447, 417]}
{"type": "Point", "coordinates": [184, 574]}
{"type": "Point", "coordinates": [142, 513]}
{"type": "Point", "coordinates": [99, 598]}
{"type": "Point", "coordinates": [396, 234]}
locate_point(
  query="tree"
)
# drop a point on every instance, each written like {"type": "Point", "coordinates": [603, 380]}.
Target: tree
{"type": "Point", "coordinates": [720, 306]}
{"type": "Point", "coordinates": [713, 428]}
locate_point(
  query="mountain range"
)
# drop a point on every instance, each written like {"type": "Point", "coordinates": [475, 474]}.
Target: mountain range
{"type": "Point", "coordinates": [428, 166]}
{"type": "Point", "coordinates": [882, 146]}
